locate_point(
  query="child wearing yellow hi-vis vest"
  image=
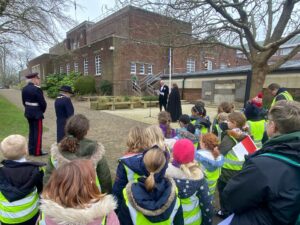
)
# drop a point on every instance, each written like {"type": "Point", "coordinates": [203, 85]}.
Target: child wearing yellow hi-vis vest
{"type": "Point", "coordinates": [129, 167]}
{"type": "Point", "coordinates": [210, 160]}
{"type": "Point", "coordinates": [76, 146]}
{"type": "Point", "coordinates": [192, 187]}
{"type": "Point", "coordinates": [232, 164]}
{"type": "Point", "coordinates": [72, 197]}
{"type": "Point", "coordinates": [21, 181]}
{"type": "Point", "coordinates": [153, 199]}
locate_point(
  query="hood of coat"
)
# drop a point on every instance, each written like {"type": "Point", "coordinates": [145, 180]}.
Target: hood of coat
{"type": "Point", "coordinates": [156, 205]}
{"type": "Point", "coordinates": [186, 186]}
{"type": "Point", "coordinates": [135, 163]}
{"type": "Point", "coordinates": [64, 216]}
{"type": "Point", "coordinates": [200, 121]}
{"type": "Point", "coordinates": [92, 150]}
{"type": "Point", "coordinates": [285, 144]}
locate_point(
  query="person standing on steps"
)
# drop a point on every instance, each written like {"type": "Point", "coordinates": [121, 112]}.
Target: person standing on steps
{"type": "Point", "coordinates": [163, 95]}
{"type": "Point", "coordinates": [63, 109]}
{"type": "Point", "coordinates": [35, 107]}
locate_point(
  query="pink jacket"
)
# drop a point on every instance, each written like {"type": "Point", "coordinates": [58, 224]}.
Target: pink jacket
{"type": "Point", "coordinates": [55, 214]}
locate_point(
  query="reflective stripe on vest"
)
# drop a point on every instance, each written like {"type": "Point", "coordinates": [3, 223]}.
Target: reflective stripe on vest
{"type": "Point", "coordinates": [131, 176]}
{"type": "Point", "coordinates": [191, 210]}
{"type": "Point", "coordinates": [219, 131]}
{"type": "Point", "coordinates": [212, 178]}
{"type": "Point", "coordinates": [55, 165]}
{"type": "Point", "coordinates": [286, 95]}
{"type": "Point", "coordinates": [231, 161]}
{"type": "Point", "coordinates": [19, 211]}
{"type": "Point", "coordinates": [257, 129]}
{"type": "Point", "coordinates": [43, 221]}
{"type": "Point", "coordinates": [139, 219]}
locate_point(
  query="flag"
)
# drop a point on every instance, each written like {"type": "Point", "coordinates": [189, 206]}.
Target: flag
{"type": "Point", "coordinates": [243, 148]}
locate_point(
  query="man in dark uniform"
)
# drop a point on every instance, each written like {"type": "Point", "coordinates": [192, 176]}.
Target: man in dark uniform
{"type": "Point", "coordinates": [63, 109]}
{"type": "Point", "coordinates": [163, 95]}
{"type": "Point", "coordinates": [35, 106]}
{"type": "Point", "coordinates": [279, 93]}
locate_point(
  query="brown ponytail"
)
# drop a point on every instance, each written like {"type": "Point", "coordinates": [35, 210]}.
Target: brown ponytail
{"type": "Point", "coordinates": [154, 161]}
{"type": "Point", "coordinates": [76, 129]}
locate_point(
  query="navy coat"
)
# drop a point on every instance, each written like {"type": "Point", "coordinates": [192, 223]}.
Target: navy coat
{"type": "Point", "coordinates": [33, 101]}
{"type": "Point", "coordinates": [63, 109]}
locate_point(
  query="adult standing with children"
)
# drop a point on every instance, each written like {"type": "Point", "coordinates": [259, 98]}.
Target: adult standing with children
{"type": "Point", "coordinates": [174, 103]}
{"type": "Point", "coordinates": [63, 110]}
{"type": "Point", "coordinates": [279, 93]}
{"type": "Point", "coordinates": [163, 95]}
{"type": "Point", "coordinates": [35, 107]}
{"type": "Point", "coordinates": [267, 189]}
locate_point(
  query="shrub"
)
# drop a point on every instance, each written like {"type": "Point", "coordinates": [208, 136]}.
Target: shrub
{"type": "Point", "coordinates": [105, 87]}
{"type": "Point", "coordinates": [150, 98]}
{"type": "Point", "coordinates": [85, 85]}
{"type": "Point", "coordinates": [54, 81]}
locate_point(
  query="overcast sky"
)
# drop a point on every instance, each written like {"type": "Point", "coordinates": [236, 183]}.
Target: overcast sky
{"type": "Point", "coordinates": [90, 9]}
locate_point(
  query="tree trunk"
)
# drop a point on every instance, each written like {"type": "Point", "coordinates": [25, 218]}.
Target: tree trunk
{"type": "Point", "coordinates": [259, 73]}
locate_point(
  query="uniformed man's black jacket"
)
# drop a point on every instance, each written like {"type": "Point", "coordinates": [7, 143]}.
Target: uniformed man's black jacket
{"type": "Point", "coordinates": [267, 190]}
{"type": "Point", "coordinates": [33, 101]}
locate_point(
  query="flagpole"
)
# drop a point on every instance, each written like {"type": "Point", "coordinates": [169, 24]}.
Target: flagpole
{"type": "Point", "coordinates": [170, 68]}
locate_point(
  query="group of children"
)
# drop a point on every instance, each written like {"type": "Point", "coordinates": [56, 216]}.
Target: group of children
{"type": "Point", "coordinates": [156, 182]}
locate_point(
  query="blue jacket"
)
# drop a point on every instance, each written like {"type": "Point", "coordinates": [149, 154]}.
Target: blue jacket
{"type": "Point", "coordinates": [33, 101]}
{"type": "Point", "coordinates": [188, 187]}
{"type": "Point", "coordinates": [136, 164]}
{"type": "Point", "coordinates": [63, 109]}
{"type": "Point", "coordinates": [161, 202]}
{"type": "Point", "coordinates": [207, 161]}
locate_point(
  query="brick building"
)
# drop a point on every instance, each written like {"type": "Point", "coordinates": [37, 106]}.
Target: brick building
{"type": "Point", "coordinates": [131, 41]}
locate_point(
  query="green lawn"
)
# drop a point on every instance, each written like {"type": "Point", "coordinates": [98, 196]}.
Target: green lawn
{"type": "Point", "coordinates": [12, 120]}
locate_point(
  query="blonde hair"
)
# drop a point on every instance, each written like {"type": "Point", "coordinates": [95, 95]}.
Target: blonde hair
{"type": "Point", "coordinates": [154, 136]}
{"type": "Point", "coordinates": [222, 117]}
{"type": "Point", "coordinates": [286, 116]}
{"type": "Point", "coordinates": [14, 147]}
{"type": "Point", "coordinates": [239, 118]}
{"type": "Point", "coordinates": [136, 139]}
{"type": "Point", "coordinates": [191, 170]}
{"type": "Point", "coordinates": [154, 161]}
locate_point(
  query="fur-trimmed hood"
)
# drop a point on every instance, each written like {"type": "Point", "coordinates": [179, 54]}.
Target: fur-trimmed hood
{"type": "Point", "coordinates": [186, 186]}
{"type": "Point", "coordinates": [88, 149]}
{"type": "Point", "coordinates": [156, 205]}
{"type": "Point", "coordinates": [64, 216]}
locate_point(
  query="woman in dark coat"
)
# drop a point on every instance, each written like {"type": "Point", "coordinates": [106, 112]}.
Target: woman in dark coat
{"type": "Point", "coordinates": [174, 104]}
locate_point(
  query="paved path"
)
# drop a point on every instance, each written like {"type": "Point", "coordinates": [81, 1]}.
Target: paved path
{"type": "Point", "coordinates": [110, 130]}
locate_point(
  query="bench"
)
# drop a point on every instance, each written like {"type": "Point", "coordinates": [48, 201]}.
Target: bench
{"type": "Point", "coordinates": [147, 103]}
{"type": "Point", "coordinates": [113, 105]}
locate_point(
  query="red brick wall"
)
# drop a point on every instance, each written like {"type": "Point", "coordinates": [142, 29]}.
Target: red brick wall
{"type": "Point", "coordinates": [191, 94]}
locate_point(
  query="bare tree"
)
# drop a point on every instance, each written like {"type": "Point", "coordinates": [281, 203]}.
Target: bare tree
{"type": "Point", "coordinates": [32, 20]}
{"type": "Point", "coordinates": [257, 28]}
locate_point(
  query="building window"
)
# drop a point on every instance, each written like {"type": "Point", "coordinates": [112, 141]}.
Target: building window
{"type": "Point", "coordinates": [61, 69]}
{"type": "Point", "coordinates": [150, 69]}
{"type": "Point", "coordinates": [85, 66]}
{"type": "Point", "coordinates": [142, 69]}
{"type": "Point", "coordinates": [36, 69]}
{"type": "Point", "coordinates": [190, 65]}
{"type": "Point", "coordinates": [285, 51]}
{"type": "Point", "coordinates": [223, 66]}
{"type": "Point", "coordinates": [68, 68]}
{"type": "Point", "coordinates": [209, 65]}
{"type": "Point", "coordinates": [133, 68]}
{"type": "Point", "coordinates": [75, 67]}
{"type": "Point", "coordinates": [98, 64]}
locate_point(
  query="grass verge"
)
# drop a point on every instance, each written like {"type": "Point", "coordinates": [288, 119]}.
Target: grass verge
{"type": "Point", "coordinates": [12, 120]}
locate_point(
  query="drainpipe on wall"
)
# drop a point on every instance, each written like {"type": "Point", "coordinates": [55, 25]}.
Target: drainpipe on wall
{"type": "Point", "coordinates": [248, 86]}
{"type": "Point", "coordinates": [182, 89]}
